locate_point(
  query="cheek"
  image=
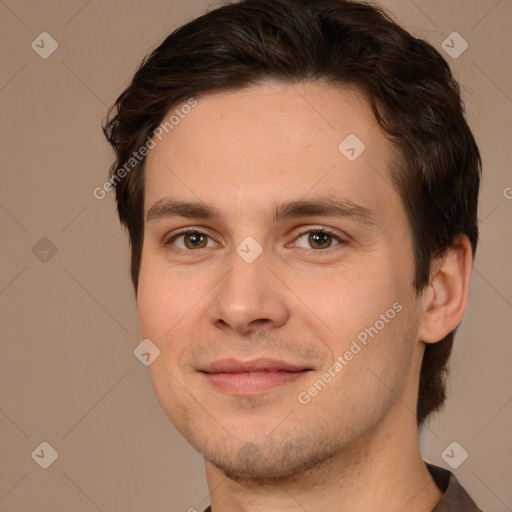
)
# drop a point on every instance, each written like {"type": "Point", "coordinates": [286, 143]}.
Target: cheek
{"type": "Point", "coordinates": [157, 307]}
{"type": "Point", "coordinates": [370, 328]}
{"type": "Point", "coordinates": [169, 309]}
{"type": "Point", "coordinates": [161, 308]}
{"type": "Point", "coordinates": [149, 300]}
{"type": "Point", "coordinates": [356, 299]}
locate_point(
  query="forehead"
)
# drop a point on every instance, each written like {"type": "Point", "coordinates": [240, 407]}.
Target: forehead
{"type": "Point", "coordinates": [269, 144]}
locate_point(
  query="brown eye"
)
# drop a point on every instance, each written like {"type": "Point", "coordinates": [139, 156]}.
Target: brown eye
{"type": "Point", "coordinates": [195, 240]}
{"type": "Point", "coordinates": [190, 240]}
{"type": "Point", "coordinates": [317, 239]}
{"type": "Point", "coordinates": [320, 239]}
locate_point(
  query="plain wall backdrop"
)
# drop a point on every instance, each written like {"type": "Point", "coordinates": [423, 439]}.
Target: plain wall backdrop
{"type": "Point", "coordinates": [68, 374]}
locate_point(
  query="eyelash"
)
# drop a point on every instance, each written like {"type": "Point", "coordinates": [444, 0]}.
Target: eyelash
{"type": "Point", "coordinates": [319, 229]}
{"type": "Point", "coordinates": [299, 235]}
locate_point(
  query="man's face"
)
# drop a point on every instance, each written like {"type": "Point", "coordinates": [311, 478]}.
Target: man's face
{"type": "Point", "coordinates": [323, 281]}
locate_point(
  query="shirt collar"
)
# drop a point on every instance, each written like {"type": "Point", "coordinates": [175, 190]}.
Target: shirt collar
{"type": "Point", "coordinates": [455, 498]}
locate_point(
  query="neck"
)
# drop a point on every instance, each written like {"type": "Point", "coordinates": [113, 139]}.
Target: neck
{"type": "Point", "coordinates": [383, 470]}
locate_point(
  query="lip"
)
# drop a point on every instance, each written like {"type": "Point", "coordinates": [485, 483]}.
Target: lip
{"type": "Point", "coordinates": [255, 365]}
{"type": "Point", "coordinates": [252, 377]}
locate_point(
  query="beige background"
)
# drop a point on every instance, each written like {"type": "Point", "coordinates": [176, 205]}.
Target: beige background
{"type": "Point", "coordinates": [68, 375]}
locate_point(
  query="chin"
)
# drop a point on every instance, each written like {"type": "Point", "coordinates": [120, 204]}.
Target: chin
{"type": "Point", "coordinates": [271, 461]}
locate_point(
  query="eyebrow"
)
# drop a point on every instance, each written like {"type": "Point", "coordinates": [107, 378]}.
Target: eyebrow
{"type": "Point", "coordinates": [325, 207]}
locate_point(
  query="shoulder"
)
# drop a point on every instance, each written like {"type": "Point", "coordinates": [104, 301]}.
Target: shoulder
{"type": "Point", "coordinates": [455, 498]}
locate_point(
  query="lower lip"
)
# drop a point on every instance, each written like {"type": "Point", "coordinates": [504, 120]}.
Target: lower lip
{"type": "Point", "coordinates": [252, 383]}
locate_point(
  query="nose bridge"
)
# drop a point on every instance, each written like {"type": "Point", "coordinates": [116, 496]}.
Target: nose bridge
{"type": "Point", "coordinates": [248, 297]}
{"type": "Point", "coordinates": [246, 267]}
{"type": "Point", "coordinates": [243, 282]}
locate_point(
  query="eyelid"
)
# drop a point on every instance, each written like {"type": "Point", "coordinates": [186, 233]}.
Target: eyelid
{"type": "Point", "coordinates": [190, 229]}
{"type": "Point", "coordinates": [341, 238]}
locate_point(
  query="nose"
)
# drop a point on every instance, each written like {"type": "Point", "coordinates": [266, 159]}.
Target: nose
{"type": "Point", "coordinates": [249, 298]}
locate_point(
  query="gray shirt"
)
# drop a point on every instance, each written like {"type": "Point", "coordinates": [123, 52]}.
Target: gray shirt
{"type": "Point", "coordinates": [454, 499]}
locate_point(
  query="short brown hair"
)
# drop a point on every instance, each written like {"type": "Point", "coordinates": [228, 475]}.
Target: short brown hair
{"type": "Point", "coordinates": [407, 83]}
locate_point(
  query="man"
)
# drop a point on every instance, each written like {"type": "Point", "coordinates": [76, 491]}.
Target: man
{"type": "Point", "coordinates": [300, 188]}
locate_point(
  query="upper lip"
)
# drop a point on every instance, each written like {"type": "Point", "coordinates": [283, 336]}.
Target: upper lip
{"type": "Point", "coordinates": [255, 365]}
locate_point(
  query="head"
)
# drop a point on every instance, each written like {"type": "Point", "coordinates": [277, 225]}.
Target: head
{"type": "Point", "coordinates": [263, 93]}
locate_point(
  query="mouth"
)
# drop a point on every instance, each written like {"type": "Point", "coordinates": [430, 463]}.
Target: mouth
{"type": "Point", "coordinates": [252, 377]}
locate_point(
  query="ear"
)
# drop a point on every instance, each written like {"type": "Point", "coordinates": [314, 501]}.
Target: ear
{"type": "Point", "coordinates": [444, 301]}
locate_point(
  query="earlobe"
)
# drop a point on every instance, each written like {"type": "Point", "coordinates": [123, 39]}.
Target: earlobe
{"type": "Point", "coordinates": [445, 300]}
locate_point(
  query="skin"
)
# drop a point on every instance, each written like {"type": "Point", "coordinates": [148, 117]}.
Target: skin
{"type": "Point", "coordinates": [354, 446]}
